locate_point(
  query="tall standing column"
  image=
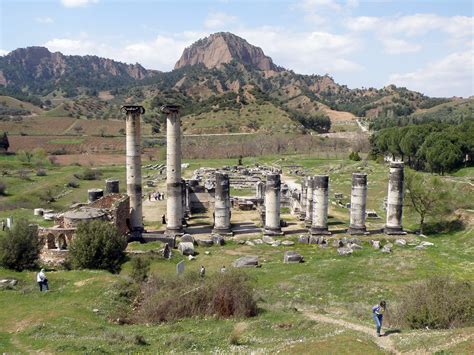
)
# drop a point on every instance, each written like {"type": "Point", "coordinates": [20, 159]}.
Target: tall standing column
{"type": "Point", "coordinates": [395, 199]}
{"type": "Point", "coordinates": [319, 223]}
{"type": "Point", "coordinates": [174, 204]}
{"type": "Point", "coordinates": [272, 205]}
{"type": "Point", "coordinates": [133, 162]}
{"type": "Point", "coordinates": [358, 204]}
{"type": "Point", "coordinates": [303, 199]}
{"type": "Point", "coordinates": [309, 202]}
{"type": "Point", "coordinates": [222, 205]}
{"type": "Point", "coordinates": [260, 191]}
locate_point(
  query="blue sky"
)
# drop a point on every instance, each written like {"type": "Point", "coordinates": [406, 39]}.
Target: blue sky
{"type": "Point", "coordinates": [426, 46]}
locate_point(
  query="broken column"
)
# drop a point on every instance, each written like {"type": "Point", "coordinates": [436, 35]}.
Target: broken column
{"type": "Point", "coordinates": [174, 204]}
{"type": "Point", "coordinates": [358, 203]}
{"type": "Point", "coordinates": [309, 202]}
{"type": "Point", "coordinates": [222, 205]}
{"type": "Point", "coordinates": [272, 205]}
{"type": "Point", "coordinates": [395, 199]}
{"type": "Point", "coordinates": [260, 192]}
{"type": "Point", "coordinates": [94, 194]}
{"type": "Point", "coordinates": [112, 186]}
{"type": "Point", "coordinates": [133, 163]}
{"type": "Point", "coordinates": [319, 223]}
{"type": "Point", "coordinates": [303, 198]}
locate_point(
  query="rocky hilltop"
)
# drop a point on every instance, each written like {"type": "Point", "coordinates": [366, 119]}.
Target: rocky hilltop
{"type": "Point", "coordinates": [223, 48]}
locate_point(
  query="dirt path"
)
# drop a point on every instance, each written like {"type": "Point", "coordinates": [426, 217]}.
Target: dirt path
{"type": "Point", "coordinates": [384, 342]}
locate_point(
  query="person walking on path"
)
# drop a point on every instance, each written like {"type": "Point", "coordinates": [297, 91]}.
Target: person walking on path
{"type": "Point", "coordinates": [42, 281]}
{"type": "Point", "coordinates": [377, 313]}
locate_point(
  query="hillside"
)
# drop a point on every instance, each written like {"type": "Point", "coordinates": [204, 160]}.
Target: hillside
{"type": "Point", "coordinates": [215, 73]}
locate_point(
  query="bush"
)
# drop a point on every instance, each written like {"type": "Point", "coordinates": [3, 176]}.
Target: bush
{"type": "Point", "coordinates": [98, 245]}
{"type": "Point", "coordinates": [354, 156]}
{"type": "Point", "coordinates": [140, 268]}
{"type": "Point", "coordinates": [88, 174]}
{"type": "Point", "coordinates": [223, 295]}
{"type": "Point", "coordinates": [40, 172]}
{"type": "Point", "coordinates": [436, 303]}
{"type": "Point", "coordinates": [3, 188]}
{"type": "Point", "coordinates": [19, 247]}
{"type": "Point", "coordinates": [73, 183]}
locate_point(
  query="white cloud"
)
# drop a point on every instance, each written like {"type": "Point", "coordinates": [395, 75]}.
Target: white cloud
{"type": "Point", "coordinates": [320, 12]}
{"type": "Point", "coordinates": [44, 20]}
{"type": "Point", "coordinates": [305, 52]}
{"type": "Point", "coordinates": [3, 52]}
{"type": "Point", "coordinates": [218, 20]}
{"type": "Point", "coordinates": [78, 3]}
{"type": "Point", "coordinates": [398, 46]}
{"type": "Point", "coordinates": [392, 32]}
{"type": "Point", "coordinates": [450, 75]}
{"type": "Point", "coordinates": [71, 46]}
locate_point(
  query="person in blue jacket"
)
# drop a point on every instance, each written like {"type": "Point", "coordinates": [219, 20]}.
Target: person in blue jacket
{"type": "Point", "coordinates": [377, 312]}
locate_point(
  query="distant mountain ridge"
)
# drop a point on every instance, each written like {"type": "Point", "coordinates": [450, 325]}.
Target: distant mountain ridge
{"type": "Point", "coordinates": [219, 72]}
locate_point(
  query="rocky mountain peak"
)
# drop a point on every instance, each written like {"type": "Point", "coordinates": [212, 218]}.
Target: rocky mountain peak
{"type": "Point", "coordinates": [224, 47]}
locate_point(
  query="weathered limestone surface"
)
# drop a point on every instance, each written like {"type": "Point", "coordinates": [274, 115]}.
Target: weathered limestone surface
{"type": "Point", "coordinates": [174, 202]}
{"type": "Point", "coordinates": [309, 202]}
{"type": "Point", "coordinates": [319, 223]}
{"type": "Point", "coordinates": [291, 256]}
{"type": "Point", "coordinates": [272, 205]}
{"type": "Point", "coordinates": [395, 199]}
{"type": "Point", "coordinates": [358, 204]}
{"type": "Point", "coordinates": [222, 205]}
{"type": "Point", "coordinates": [133, 163]}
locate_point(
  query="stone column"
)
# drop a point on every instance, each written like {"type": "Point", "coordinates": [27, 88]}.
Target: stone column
{"type": "Point", "coordinates": [222, 205]}
{"type": "Point", "coordinates": [395, 199]}
{"type": "Point", "coordinates": [272, 205]}
{"type": "Point", "coordinates": [309, 202]}
{"type": "Point", "coordinates": [187, 205]}
{"type": "Point", "coordinates": [358, 203]}
{"type": "Point", "coordinates": [303, 200]}
{"type": "Point", "coordinates": [260, 191]}
{"type": "Point", "coordinates": [134, 165]}
{"type": "Point", "coordinates": [319, 223]}
{"type": "Point", "coordinates": [174, 204]}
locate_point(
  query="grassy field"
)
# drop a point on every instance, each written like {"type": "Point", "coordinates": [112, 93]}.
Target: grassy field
{"type": "Point", "coordinates": [293, 299]}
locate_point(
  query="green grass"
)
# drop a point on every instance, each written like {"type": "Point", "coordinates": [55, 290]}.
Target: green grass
{"type": "Point", "coordinates": [344, 287]}
{"type": "Point", "coordinates": [67, 141]}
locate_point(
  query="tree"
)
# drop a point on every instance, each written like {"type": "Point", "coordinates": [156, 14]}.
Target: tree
{"type": "Point", "coordinates": [98, 245]}
{"type": "Point", "coordinates": [427, 195]}
{"type": "Point", "coordinates": [19, 247]}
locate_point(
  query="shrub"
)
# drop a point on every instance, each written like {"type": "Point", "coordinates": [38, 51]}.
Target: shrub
{"type": "Point", "coordinates": [88, 174]}
{"type": "Point", "coordinates": [140, 268]}
{"type": "Point", "coordinates": [354, 156]}
{"type": "Point", "coordinates": [40, 172]}
{"type": "Point", "coordinates": [73, 183]}
{"type": "Point", "coordinates": [19, 247]}
{"type": "Point", "coordinates": [3, 188]}
{"type": "Point", "coordinates": [98, 245]}
{"type": "Point", "coordinates": [223, 295]}
{"type": "Point", "coordinates": [436, 303]}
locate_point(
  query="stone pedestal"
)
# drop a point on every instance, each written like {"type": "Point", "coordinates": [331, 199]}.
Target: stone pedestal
{"type": "Point", "coordinates": [358, 204]}
{"type": "Point", "coordinates": [395, 200]}
{"type": "Point", "coordinates": [112, 186]}
{"type": "Point", "coordinates": [319, 223]}
{"type": "Point", "coordinates": [303, 199]}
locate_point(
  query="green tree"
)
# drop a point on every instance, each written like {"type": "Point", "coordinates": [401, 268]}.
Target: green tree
{"type": "Point", "coordinates": [98, 245]}
{"type": "Point", "coordinates": [427, 196]}
{"type": "Point", "coordinates": [19, 247]}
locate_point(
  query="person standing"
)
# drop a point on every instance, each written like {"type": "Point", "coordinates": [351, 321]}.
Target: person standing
{"type": "Point", "coordinates": [42, 281]}
{"type": "Point", "coordinates": [223, 269]}
{"type": "Point", "coordinates": [202, 271]}
{"type": "Point", "coordinates": [377, 313]}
